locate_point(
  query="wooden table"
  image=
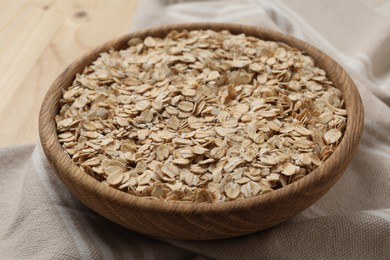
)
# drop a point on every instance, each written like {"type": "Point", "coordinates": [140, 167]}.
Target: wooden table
{"type": "Point", "coordinates": [38, 39]}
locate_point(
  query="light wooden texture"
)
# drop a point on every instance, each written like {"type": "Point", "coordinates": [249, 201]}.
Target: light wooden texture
{"type": "Point", "coordinates": [38, 39]}
{"type": "Point", "coordinates": [203, 221]}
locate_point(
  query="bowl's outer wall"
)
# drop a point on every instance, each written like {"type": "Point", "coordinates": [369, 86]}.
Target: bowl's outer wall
{"type": "Point", "coordinates": [202, 221]}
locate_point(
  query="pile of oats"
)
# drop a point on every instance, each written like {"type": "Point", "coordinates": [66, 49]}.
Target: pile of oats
{"type": "Point", "coordinates": [201, 116]}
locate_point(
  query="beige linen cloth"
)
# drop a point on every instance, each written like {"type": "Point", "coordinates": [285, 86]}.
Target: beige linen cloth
{"type": "Point", "coordinates": [40, 219]}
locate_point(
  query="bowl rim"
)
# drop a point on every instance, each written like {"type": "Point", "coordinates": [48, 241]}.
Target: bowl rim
{"type": "Point", "coordinates": [340, 157]}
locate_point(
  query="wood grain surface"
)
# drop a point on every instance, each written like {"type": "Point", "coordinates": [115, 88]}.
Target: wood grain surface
{"type": "Point", "coordinates": [203, 221]}
{"type": "Point", "coordinates": [38, 39]}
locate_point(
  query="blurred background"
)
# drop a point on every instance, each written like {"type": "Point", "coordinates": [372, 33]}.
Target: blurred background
{"type": "Point", "coordinates": [38, 39]}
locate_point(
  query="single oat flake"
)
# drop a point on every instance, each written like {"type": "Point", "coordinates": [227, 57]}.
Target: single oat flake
{"type": "Point", "coordinates": [201, 116]}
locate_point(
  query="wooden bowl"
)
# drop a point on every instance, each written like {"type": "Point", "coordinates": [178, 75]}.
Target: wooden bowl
{"type": "Point", "coordinates": [202, 221]}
